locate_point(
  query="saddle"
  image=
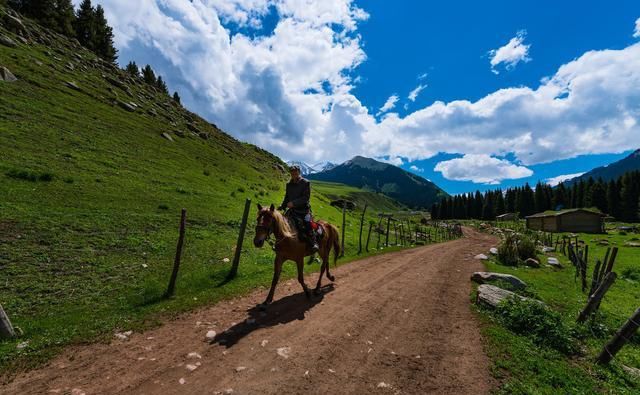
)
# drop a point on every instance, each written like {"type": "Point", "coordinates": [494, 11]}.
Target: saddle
{"type": "Point", "coordinates": [298, 224]}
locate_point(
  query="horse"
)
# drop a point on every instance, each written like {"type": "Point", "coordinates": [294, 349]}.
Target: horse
{"type": "Point", "coordinates": [289, 247]}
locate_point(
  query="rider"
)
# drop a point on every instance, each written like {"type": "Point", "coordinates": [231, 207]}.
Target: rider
{"type": "Point", "coordinates": [297, 199]}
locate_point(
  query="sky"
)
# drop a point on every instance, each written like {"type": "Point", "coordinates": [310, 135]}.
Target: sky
{"type": "Point", "coordinates": [471, 95]}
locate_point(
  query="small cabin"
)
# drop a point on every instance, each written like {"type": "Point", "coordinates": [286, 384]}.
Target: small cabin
{"type": "Point", "coordinates": [507, 217]}
{"type": "Point", "coordinates": [574, 220]}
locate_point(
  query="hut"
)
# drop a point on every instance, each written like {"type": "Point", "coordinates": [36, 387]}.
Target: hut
{"type": "Point", "coordinates": [507, 217]}
{"type": "Point", "coordinates": [573, 220]}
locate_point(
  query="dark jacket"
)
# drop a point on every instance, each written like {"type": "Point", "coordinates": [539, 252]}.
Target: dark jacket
{"type": "Point", "coordinates": [299, 193]}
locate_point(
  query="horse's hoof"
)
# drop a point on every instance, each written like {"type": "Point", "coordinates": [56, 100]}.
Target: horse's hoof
{"type": "Point", "coordinates": [263, 306]}
{"type": "Point", "coordinates": [332, 278]}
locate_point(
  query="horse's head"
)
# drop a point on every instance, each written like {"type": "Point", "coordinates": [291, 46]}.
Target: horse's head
{"type": "Point", "coordinates": [264, 225]}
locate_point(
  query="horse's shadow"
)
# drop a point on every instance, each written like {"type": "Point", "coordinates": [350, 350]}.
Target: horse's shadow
{"type": "Point", "coordinates": [282, 311]}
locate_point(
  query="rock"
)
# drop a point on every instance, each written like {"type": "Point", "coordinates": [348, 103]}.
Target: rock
{"type": "Point", "coordinates": [532, 262]}
{"type": "Point", "coordinates": [546, 249]}
{"type": "Point", "coordinates": [120, 336]}
{"type": "Point", "coordinates": [13, 24]}
{"type": "Point", "coordinates": [167, 136]}
{"type": "Point", "coordinates": [634, 372]}
{"type": "Point", "coordinates": [23, 345]}
{"type": "Point", "coordinates": [194, 355]}
{"type": "Point", "coordinates": [631, 244]}
{"type": "Point", "coordinates": [203, 135]}
{"type": "Point", "coordinates": [491, 296]}
{"type": "Point", "coordinates": [284, 352]}
{"type": "Point", "coordinates": [6, 75]}
{"type": "Point", "coordinates": [70, 66]}
{"type": "Point", "coordinates": [554, 262]}
{"type": "Point", "coordinates": [182, 381]}
{"type": "Point", "coordinates": [128, 333]}
{"type": "Point", "coordinates": [115, 82]}
{"type": "Point", "coordinates": [241, 368]}
{"type": "Point", "coordinates": [180, 133]}
{"type": "Point", "coordinates": [210, 335]}
{"type": "Point", "coordinates": [382, 384]}
{"type": "Point", "coordinates": [193, 128]}
{"type": "Point", "coordinates": [483, 277]}
{"type": "Point", "coordinates": [72, 85]}
{"type": "Point", "coordinates": [7, 42]}
{"type": "Point", "coordinates": [191, 368]}
{"type": "Point", "coordinates": [481, 257]}
{"type": "Point", "coordinates": [77, 391]}
{"type": "Point", "coordinates": [493, 251]}
{"type": "Point", "coordinates": [126, 106]}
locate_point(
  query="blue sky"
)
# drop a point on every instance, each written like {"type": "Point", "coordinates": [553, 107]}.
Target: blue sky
{"type": "Point", "coordinates": [503, 92]}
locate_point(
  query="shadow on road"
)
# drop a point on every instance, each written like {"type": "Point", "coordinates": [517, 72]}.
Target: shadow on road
{"type": "Point", "coordinates": [282, 311]}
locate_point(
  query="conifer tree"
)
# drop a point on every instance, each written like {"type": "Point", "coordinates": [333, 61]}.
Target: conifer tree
{"type": "Point", "coordinates": [161, 85]}
{"type": "Point", "coordinates": [133, 69]}
{"type": "Point", "coordinates": [148, 75]}
{"type": "Point", "coordinates": [102, 40]}
{"type": "Point", "coordinates": [65, 17]}
{"type": "Point", "coordinates": [85, 24]}
{"type": "Point", "coordinates": [176, 97]}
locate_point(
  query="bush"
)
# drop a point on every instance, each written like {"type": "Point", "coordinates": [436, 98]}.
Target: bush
{"type": "Point", "coordinates": [508, 251]}
{"type": "Point", "coordinates": [537, 322]}
{"type": "Point", "coordinates": [526, 249]}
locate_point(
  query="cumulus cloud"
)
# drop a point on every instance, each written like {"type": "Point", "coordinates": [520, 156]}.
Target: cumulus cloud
{"type": "Point", "coordinates": [553, 181]}
{"type": "Point", "coordinates": [290, 89]}
{"type": "Point", "coordinates": [413, 95]}
{"type": "Point", "coordinates": [512, 53]}
{"type": "Point", "coordinates": [416, 168]}
{"type": "Point", "coordinates": [392, 160]}
{"type": "Point", "coordinates": [389, 104]}
{"type": "Point", "coordinates": [483, 169]}
{"type": "Point", "coordinates": [636, 32]}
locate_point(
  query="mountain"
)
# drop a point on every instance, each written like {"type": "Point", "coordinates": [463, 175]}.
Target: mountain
{"type": "Point", "coordinates": [611, 171]}
{"type": "Point", "coordinates": [305, 169]}
{"type": "Point", "coordinates": [324, 166]}
{"type": "Point", "coordinates": [366, 173]}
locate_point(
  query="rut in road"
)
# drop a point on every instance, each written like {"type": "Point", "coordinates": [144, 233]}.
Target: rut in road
{"type": "Point", "coordinates": [395, 323]}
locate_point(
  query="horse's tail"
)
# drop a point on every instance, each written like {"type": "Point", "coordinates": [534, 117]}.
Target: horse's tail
{"type": "Point", "coordinates": [336, 244]}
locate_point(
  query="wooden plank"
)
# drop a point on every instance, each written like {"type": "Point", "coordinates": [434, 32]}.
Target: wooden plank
{"type": "Point", "coordinates": [620, 339]}
{"type": "Point", "coordinates": [594, 301]}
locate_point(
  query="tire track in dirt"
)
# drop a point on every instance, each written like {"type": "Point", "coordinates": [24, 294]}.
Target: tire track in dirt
{"type": "Point", "coordinates": [402, 319]}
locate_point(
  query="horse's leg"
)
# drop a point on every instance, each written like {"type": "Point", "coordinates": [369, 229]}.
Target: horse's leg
{"type": "Point", "coordinates": [277, 268]}
{"type": "Point", "coordinates": [329, 276]}
{"type": "Point", "coordinates": [325, 264]}
{"type": "Point", "coordinates": [300, 265]}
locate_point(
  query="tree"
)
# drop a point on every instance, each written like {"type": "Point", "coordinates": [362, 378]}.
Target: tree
{"type": "Point", "coordinates": [176, 97]}
{"type": "Point", "coordinates": [85, 24]}
{"type": "Point", "coordinates": [102, 40]}
{"type": "Point", "coordinates": [148, 75]}
{"type": "Point", "coordinates": [65, 17]}
{"type": "Point", "coordinates": [629, 198]}
{"type": "Point", "coordinates": [160, 84]}
{"type": "Point", "coordinates": [598, 197]}
{"type": "Point", "coordinates": [133, 69]}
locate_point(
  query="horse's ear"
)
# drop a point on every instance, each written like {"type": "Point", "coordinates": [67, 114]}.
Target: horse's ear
{"type": "Point", "coordinates": [272, 208]}
{"type": "Point", "coordinates": [259, 207]}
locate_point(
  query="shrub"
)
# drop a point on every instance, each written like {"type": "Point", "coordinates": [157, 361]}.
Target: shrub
{"type": "Point", "coordinates": [526, 249]}
{"type": "Point", "coordinates": [508, 251]}
{"type": "Point", "coordinates": [631, 273]}
{"type": "Point", "coordinates": [537, 322]}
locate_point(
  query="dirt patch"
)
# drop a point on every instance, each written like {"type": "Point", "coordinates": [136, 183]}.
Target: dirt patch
{"type": "Point", "coordinates": [397, 323]}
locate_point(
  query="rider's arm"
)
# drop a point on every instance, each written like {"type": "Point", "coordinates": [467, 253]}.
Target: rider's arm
{"type": "Point", "coordinates": [303, 200]}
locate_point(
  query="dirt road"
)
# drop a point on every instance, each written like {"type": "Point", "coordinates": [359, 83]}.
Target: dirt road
{"type": "Point", "coordinates": [397, 323]}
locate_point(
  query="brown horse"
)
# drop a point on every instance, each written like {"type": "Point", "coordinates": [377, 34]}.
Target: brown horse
{"type": "Point", "coordinates": [289, 247]}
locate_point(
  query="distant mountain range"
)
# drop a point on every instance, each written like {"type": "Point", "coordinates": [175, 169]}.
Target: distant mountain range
{"type": "Point", "coordinates": [366, 173]}
{"type": "Point", "coordinates": [611, 171]}
{"type": "Point", "coordinates": [307, 169]}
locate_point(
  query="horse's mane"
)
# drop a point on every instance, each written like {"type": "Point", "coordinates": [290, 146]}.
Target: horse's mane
{"type": "Point", "coordinates": [282, 224]}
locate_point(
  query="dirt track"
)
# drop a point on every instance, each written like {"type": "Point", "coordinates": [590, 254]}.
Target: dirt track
{"type": "Point", "coordinates": [397, 323]}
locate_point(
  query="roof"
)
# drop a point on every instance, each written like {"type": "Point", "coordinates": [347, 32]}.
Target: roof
{"type": "Point", "coordinates": [563, 212]}
{"type": "Point", "coordinates": [506, 215]}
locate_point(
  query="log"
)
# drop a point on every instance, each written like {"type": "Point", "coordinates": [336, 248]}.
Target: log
{"type": "Point", "coordinates": [6, 329]}
{"type": "Point", "coordinates": [620, 339]}
{"type": "Point", "coordinates": [596, 298]}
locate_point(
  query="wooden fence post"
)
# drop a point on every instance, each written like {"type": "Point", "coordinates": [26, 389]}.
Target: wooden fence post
{"type": "Point", "coordinates": [176, 261]}
{"type": "Point", "coordinates": [6, 329]}
{"type": "Point", "coordinates": [368, 236]}
{"type": "Point", "coordinates": [243, 227]}
{"type": "Point", "coordinates": [386, 243]}
{"type": "Point", "coordinates": [621, 337]}
{"type": "Point", "coordinates": [344, 215]}
{"type": "Point", "coordinates": [361, 224]}
{"type": "Point", "coordinates": [596, 298]}
{"type": "Point", "coordinates": [395, 231]}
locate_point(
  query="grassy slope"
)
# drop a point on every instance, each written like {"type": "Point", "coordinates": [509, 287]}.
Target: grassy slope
{"type": "Point", "coordinates": [90, 251]}
{"type": "Point", "coordinates": [526, 368]}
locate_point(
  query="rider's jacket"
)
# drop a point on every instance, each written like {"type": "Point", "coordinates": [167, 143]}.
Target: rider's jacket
{"type": "Point", "coordinates": [299, 193]}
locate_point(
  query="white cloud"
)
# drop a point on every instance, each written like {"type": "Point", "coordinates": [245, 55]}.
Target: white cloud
{"type": "Point", "coordinates": [636, 32]}
{"type": "Point", "coordinates": [290, 89]}
{"type": "Point", "coordinates": [413, 95]}
{"type": "Point", "coordinates": [416, 168]}
{"type": "Point", "coordinates": [389, 104]}
{"type": "Point", "coordinates": [553, 181]}
{"type": "Point", "coordinates": [481, 169]}
{"type": "Point", "coordinates": [392, 160]}
{"type": "Point", "coordinates": [512, 53]}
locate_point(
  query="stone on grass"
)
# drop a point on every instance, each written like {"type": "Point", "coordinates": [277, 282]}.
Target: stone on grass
{"type": "Point", "coordinates": [7, 42]}
{"type": "Point", "coordinates": [6, 75]}
{"type": "Point", "coordinates": [167, 136]}
{"type": "Point", "coordinates": [554, 262]}
{"type": "Point", "coordinates": [72, 85]}
{"type": "Point", "coordinates": [481, 257]}
{"type": "Point", "coordinates": [491, 296]}
{"type": "Point", "coordinates": [484, 277]}
{"type": "Point", "coordinates": [631, 244]}
{"type": "Point", "coordinates": [493, 251]}
{"type": "Point", "coordinates": [532, 262]}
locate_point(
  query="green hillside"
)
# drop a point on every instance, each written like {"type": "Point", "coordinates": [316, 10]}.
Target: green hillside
{"type": "Point", "coordinates": [392, 181]}
{"type": "Point", "coordinates": [90, 199]}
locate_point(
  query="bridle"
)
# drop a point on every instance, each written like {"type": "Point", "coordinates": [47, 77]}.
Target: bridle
{"type": "Point", "coordinates": [270, 231]}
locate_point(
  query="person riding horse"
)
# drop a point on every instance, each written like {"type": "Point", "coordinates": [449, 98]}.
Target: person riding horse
{"type": "Point", "coordinates": [296, 200]}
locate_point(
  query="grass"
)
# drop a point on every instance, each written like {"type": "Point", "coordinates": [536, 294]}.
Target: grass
{"type": "Point", "coordinates": [90, 199]}
{"type": "Point", "coordinates": [525, 366]}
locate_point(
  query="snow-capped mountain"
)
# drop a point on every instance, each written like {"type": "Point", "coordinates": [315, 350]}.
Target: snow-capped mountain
{"type": "Point", "coordinates": [324, 166]}
{"type": "Point", "coordinates": [305, 169]}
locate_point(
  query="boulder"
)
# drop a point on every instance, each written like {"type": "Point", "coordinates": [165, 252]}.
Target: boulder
{"type": "Point", "coordinates": [13, 24]}
{"type": "Point", "coordinates": [126, 106]}
{"type": "Point", "coordinates": [546, 249]}
{"type": "Point", "coordinates": [493, 251]}
{"type": "Point", "coordinates": [7, 42]}
{"type": "Point", "coordinates": [532, 262]}
{"type": "Point", "coordinates": [193, 128]}
{"type": "Point", "coordinates": [491, 296]}
{"type": "Point", "coordinates": [631, 244]}
{"type": "Point", "coordinates": [167, 136]}
{"type": "Point", "coordinates": [484, 277]}
{"type": "Point", "coordinates": [6, 75]}
{"type": "Point", "coordinates": [481, 257]}
{"type": "Point", "coordinates": [203, 135]}
{"type": "Point", "coordinates": [72, 85]}
{"type": "Point", "coordinates": [180, 133]}
{"type": "Point", "coordinates": [554, 262]}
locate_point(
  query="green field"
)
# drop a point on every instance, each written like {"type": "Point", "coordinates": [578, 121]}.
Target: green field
{"type": "Point", "coordinates": [524, 367]}
{"type": "Point", "coordinates": [90, 200]}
